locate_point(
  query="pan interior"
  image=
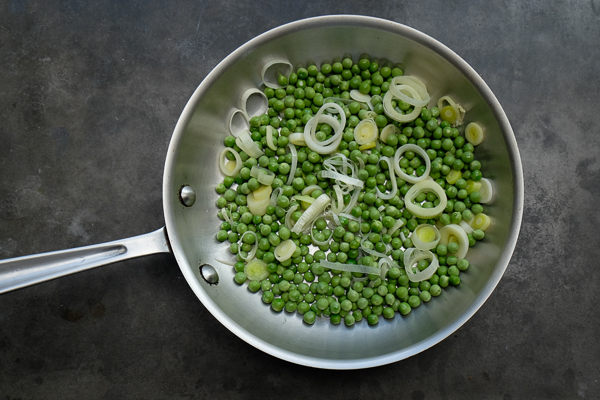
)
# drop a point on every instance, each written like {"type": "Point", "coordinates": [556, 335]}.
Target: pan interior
{"type": "Point", "coordinates": [193, 160]}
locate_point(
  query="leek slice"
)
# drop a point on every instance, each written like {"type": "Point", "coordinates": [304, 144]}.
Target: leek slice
{"type": "Point", "coordinates": [294, 163]}
{"type": "Point", "coordinates": [386, 132]}
{"type": "Point", "coordinates": [396, 86]}
{"type": "Point", "coordinates": [311, 213]}
{"type": "Point", "coordinates": [224, 167]}
{"type": "Point", "coordinates": [259, 200]}
{"type": "Point", "coordinates": [416, 149]}
{"type": "Point", "coordinates": [392, 178]}
{"type": "Point", "coordinates": [263, 175]}
{"type": "Point", "coordinates": [270, 142]}
{"type": "Point", "coordinates": [330, 145]}
{"type": "Point", "coordinates": [297, 138]}
{"type": "Point", "coordinates": [285, 250]}
{"type": "Point", "coordinates": [455, 232]}
{"type": "Point", "coordinates": [425, 186]}
{"type": "Point", "coordinates": [254, 102]}
{"type": "Point", "coordinates": [342, 178]}
{"type": "Point", "coordinates": [480, 221]}
{"type": "Point", "coordinates": [473, 186]}
{"type": "Point", "coordinates": [425, 237]}
{"type": "Point", "coordinates": [453, 113]}
{"type": "Point", "coordinates": [414, 255]}
{"type": "Point", "coordinates": [250, 255]}
{"type": "Point", "coordinates": [272, 70]}
{"type": "Point", "coordinates": [474, 133]}
{"type": "Point", "coordinates": [486, 190]}
{"type": "Point", "coordinates": [349, 267]}
{"type": "Point", "coordinates": [238, 122]}
{"type": "Point", "coordinates": [453, 176]}
{"type": "Point", "coordinates": [245, 142]}
{"type": "Point", "coordinates": [395, 115]}
{"type": "Point", "coordinates": [256, 270]}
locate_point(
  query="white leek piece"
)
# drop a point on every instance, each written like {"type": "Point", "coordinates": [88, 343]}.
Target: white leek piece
{"type": "Point", "coordinates": [315, 209]}
{"type": "Point", "coordinates": [425, 237]}
{"type": "Point", "coordinates": [398, 90]}
{"type": "Point", "coordinates": [349, 267]}
{"type": "Point", "coordinates": [288, 216]}
{"type": "Point", "coordinates": [238, 122]}
{"type": "Point", "coordinates": [360, 97]}
{"type": "Point", "coordinates": [309, 189]}
{"type": "Point", "coordinates": [386, 132]}
{"type": "Point", "coordinates": [392, 178]}
{"type": "Point", "coordinates": [416, 149]}
{"type": "Point", "coordinates": [297, 138]}
{"type": "Point", "coordinates": [254, 103]}
{"type": "Point", "coordinates": [223, 165]}
{"type": "Point", "coordinates": [274, 195]}
{"type": "Point", "coordinates": [294, 163]}
{"type": "Point", "coordinates": [256, 270]}
{"type": "Point", "coordinates": [263, 175]}
{"type": "Point", "coordinates": [250, 255]}
{"type": "Point", "coordinates": [397, 116]}
{"type": "Point", "coordinates": [338, 205]}
{"type": "Point", "coordinates": [452, 113]}
{"type": "Point", "coordinates": [366, 131]}
{"type": "Point", "coordinates": [474, 133]}
{"type": "Point", "coordinates": [330, 145]}
{"type": "Point", "coordinates": [271, 71]}
{"type": "Point", "coordinates": [453, 230]}
{"type": "Point", "coordinates": [342, 178]}
{"type": "Point", "coordinates": [465, 225]}
{"type": "Point", "coordinates": [285, 250]}
{"type": "Point", "coordinates": [414, 255]}
{"type": "Point", "coordinates": [259, 200]}
{"type": "Point", "coordinates": [368, 250]}
{"type": "Point", "coordinates": [245, 142]}
{"type": "Point", "coordinates": [422, 187]}
{"type": "Point", "coordinates": [397, 225]}
{"type": "Point", "coordinates": [270, 132]}
{"type": "Point", "coordinates": [480, 221]}
{"type": "Point", "coordinates": [486, 191]}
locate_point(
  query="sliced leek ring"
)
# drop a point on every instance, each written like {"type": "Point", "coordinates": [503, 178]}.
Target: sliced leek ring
{"type": "Point", "coordinates": [395, 115]}
{"type": "Point", "coordinates": [453, 176]}
{"type": "Point", "coordinates": [285, 250]}
{"type": "Point", "coordinates": [413, 255]}
{"type": "Point", "coordinates": [425, 237]}
{"type": "Point", "coordinates": [453, 232]}
{"type": "Point", "coordinates": [254, 103]}
{"type": "Point", "coordinates": [474, 133]}
{"type": "Point", "coordinates": [256, 270]}
{"type": "Point", "coordinates": [315, 209]}
{"type": "Point", "coordinates": [386, 132]}
{"type": "Point", "coordinates": [263, 175]}
{"type": "Point", "coordinates": [480, 221]}
{"type": "Point", "coordinates": [454, 114]}
{"type": "Point", "coordinates": [425, 186]}
{"type": "Point", "coordinates": [486, 190]}
{"type": "Point", "coordinates": [238, 122]}
{"type": "Point", "coordinates": [225, 167]}
{"type": "Point", "coordinates": [272, 70]}
{"type": "Point", "coordinates": [419, 151]}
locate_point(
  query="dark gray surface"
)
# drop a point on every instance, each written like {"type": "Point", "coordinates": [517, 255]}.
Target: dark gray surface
{"type": "Point", "coordinates": [89, 95]}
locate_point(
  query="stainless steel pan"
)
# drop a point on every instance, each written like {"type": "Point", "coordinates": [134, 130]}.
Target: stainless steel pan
{"type": "Point", "coordinates": [191, 173]}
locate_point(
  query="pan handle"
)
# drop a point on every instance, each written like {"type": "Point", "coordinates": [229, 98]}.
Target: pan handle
{"type": "Point", "coordinates": [20, 272]}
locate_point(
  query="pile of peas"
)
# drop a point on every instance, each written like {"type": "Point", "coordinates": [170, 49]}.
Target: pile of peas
{"type": "Point", "coordinates": [301, 284]}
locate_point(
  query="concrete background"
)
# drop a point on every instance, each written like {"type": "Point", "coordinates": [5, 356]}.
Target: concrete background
{"type": "Point", "coordinates": [90, 92]}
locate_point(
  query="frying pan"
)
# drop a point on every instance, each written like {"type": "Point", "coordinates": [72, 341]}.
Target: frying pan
{"type": "Point", "coordinates": [191, 174]}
